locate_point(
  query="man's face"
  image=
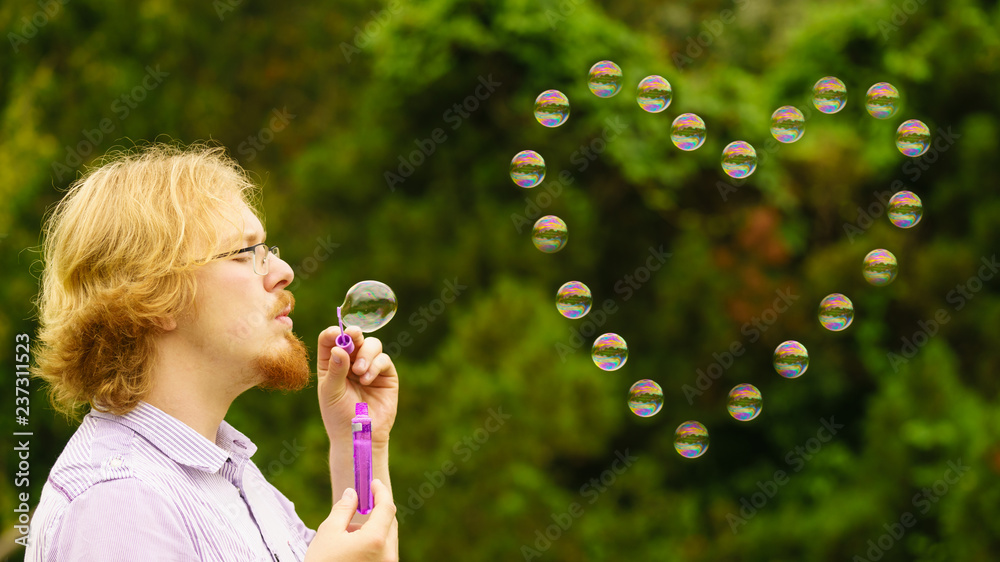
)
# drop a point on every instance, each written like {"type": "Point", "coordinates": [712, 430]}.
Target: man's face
{"type": "Point", "coordinates": [241, 322]}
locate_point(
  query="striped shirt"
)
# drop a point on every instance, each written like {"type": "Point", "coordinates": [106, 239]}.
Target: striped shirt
{"type": "Point", "coordinates": [145, 486]}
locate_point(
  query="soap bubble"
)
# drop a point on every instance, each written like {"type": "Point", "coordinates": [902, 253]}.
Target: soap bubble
{"type": "Point", "coordinates": [829, 95]}
{"type": "Point", "coordinates": [645, 398]}
{"type": "Point", "coordinates": [609, 352]}
{"type": "Point", "coordinates": [913, 138]}
{"type": "Point", "coordinates": [739, 159]}
{"type": "Point", "coordinates": [791, 359]}
{"type": "Point", "coordinates": [691, 439]}
{"type": "Point", "coordinates": [527, 169]}
{"type": "Point", "coordinates": [882, 100]}
{"type": "Point", "coordinates": [368, 305]}
{"type": "Point", "coordinates": [836, 312]}
{"type": "Point", "coordinates": [605, 79]}
{"type": "Point", "coordinates": [551, 108]}
{"type": "Point", "coordinates": [905, 209]}
{"type": "Point", "coordinates": [880, 267]}
{"type": "Point", "coordinates": [744, 402]}
{"type": "Point", "coordinates": [787, 124]}
{"type": "Point", "coordinates": [573, 300]}
{"type": "Point", "coordinates": [687, 131]}
{"type": "Point", "coordinates": [549, 234]}
{"type": "Point", "coordinates": [654, 94]}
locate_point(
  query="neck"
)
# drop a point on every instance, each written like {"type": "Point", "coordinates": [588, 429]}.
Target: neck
{"type": "Point", "coordinates": [193, 389]}
{"type": "Point", "coordinates": [204, 416]}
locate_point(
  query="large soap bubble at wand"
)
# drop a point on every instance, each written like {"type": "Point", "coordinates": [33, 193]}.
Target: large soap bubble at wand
{"type": "Point", "coordinates": [368, 305]}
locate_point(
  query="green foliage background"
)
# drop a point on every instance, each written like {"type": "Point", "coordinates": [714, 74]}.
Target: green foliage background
{"type": "Point", "coordinates": [363, 99]}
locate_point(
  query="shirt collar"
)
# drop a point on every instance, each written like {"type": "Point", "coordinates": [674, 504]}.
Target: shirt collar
{"type": "Point", "coordinates": [181, 443]}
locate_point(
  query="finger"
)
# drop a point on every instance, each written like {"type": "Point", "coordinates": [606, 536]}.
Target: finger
{"type": "Point", "coordinates": [366, 355]}
{"type": "Point", "coordinates": [325, 343]}
{"type": "Point", "coordinates": [343, 510]}
{"type": "Point", "coordinates": [384, 512]}
{"type": "Point", "coordinates": [332, 366]}
{"type": "Point", "coordinates": [382, 366]}
{"type": "Point", "coordinates": [357, 337]}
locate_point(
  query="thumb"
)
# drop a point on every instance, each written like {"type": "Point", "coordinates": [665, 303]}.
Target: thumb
{"type": "Point", "coordinates": [343, 511]}
{"type": "Point", "coordinates": [332, 364]}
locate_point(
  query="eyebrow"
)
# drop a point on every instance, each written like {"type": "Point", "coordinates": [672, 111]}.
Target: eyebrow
{"type": "Point", "coordinates": [249, 237]}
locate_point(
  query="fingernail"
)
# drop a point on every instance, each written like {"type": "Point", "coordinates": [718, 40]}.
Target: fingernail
{"type": "Point", "coordinates": [361, 364]}
{"type": "Point", "coordinates": [348, 494]}
{"type": "Point", "coordinates": [369, 376]}
{"type": "Point", "coordinates": [337, 361]}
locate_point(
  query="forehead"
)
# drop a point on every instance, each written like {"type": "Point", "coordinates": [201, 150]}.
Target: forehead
{"type": "Point", "coordinates": [243, 227]}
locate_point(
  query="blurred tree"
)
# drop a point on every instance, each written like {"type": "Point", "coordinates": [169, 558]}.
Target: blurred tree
{"type": "Point", "coordinates": [509, 441]}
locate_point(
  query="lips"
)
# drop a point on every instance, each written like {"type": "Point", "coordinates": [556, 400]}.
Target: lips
{"type": "Point", "coordinates": [284, 306]}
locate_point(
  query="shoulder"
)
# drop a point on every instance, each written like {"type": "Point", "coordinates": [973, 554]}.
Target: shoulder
{"type": "Point", "coordinates": [95, 453]}
{"type": "Point", "coordinates": [125, 517]}
{"type": "Point", "coordinates": [102, 450]}
{"type": "Point", "coordinates": [105, 473]}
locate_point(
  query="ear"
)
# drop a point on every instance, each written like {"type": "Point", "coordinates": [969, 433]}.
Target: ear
{"type": "Point", "coordinates": [166, 324]}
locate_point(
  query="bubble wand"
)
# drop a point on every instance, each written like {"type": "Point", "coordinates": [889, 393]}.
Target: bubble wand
{"type": "Point", "coordinates": [368, 305]}
{"type": "Point", "coordinates": [344, 341]}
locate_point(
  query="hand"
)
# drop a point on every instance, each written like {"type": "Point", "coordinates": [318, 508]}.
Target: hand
{"type": "Point", "coordinates": [367, 375]}
{"type": "Point", "coordinates": [337, 539]}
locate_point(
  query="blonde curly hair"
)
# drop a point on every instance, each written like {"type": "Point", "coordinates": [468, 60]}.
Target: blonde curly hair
{"type": "Point", "coordinates": [119, 254]}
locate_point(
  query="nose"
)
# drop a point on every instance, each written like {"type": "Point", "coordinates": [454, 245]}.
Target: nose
{"type": "Point", "coordinates": [279, 273]}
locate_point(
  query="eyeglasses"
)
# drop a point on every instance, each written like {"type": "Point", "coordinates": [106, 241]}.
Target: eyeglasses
{"type": "Point", "coordinates": [261, 252]}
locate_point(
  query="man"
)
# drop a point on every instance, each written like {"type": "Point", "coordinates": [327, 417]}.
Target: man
{"type": "Point", "coordinates": [160, 304]}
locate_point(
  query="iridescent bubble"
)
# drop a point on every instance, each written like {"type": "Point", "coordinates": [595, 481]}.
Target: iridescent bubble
{"type": "Point", "coordinates": [882, 100]}
{"type": "Point", "coordinates": [829, 95]}
{"type": "Point", "coordinates": [691, 439]}
{"type": "Point", "coordinates": [645, 398]}
{"type": "Point", "coordinates": [687, 131]}
{"type": "Point", "coordinates": [836, 312]}
{"type": "Point", "coordinates": [787, 124]}
{"type": "Point", "coordinates": [573, 300]}
{"type": "Point", "coordinates": [791, 359]}
{"type": "Point", "coordinates": [654, 94]}
{"type": "Point", "coordinates": [609, 352]}
{"type": "Point", "coordinates": [368, 305]}
{"type": "Point", "coordinates": [551, 108]}
{"type": "Point", "coordinates": [913, 138]}
{"type": "Point", "coordinates": [549, 234]}
{"type": "Point", "coordinates": [527, 169]}
{"type": "Point", "coordinates": [605, 79]}
{"type": "Point", "coordinates": [744, 402]}
{"type": "Point", "coordinates": [905, 209]}
{"type": "Point", "coordinates": [880, 267]}
{"type": "Point", "coordinates": [739, 159]}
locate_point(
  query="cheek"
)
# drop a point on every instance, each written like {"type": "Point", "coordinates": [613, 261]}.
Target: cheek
{"type": "Point", "coordinates": [227, 319]}
{"type": "Point", "coordinates": [246, 323]}
{"type": "Point", "coordinates": [240, 332]}
{"type": "Point", "coordinates": [234, 333]}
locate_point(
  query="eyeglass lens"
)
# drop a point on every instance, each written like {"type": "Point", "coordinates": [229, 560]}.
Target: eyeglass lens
{"type": "Point", "coordinates": [260, 261]}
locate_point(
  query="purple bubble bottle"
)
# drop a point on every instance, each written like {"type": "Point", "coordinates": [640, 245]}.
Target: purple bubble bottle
{"type": "Point", "coordinates": [361, 425]}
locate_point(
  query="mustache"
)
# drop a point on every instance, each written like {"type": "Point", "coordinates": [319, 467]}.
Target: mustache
{"type": "Point", "coordinates": [285, 299]}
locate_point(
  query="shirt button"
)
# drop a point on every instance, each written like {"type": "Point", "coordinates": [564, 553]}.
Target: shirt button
{"type": "Point", "coordinates": [116, 462]}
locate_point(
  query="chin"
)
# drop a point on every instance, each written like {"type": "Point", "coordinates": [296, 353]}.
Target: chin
{"type": "Point", "coordinates": [286, 368]}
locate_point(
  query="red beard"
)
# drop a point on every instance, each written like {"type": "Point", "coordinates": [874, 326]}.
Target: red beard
{"type": "Point", "coordinates": [286, 370]}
